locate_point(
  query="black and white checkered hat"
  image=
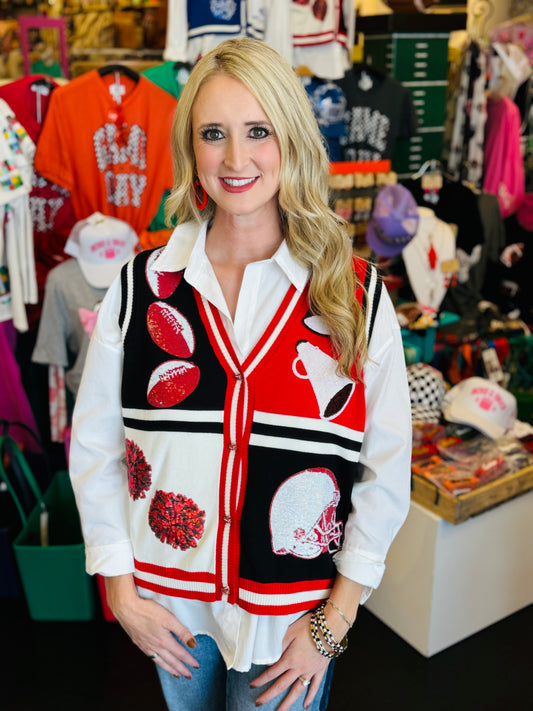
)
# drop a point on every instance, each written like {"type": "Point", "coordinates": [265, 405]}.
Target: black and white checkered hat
{"type": "Point", "coordinates": [427, 389]}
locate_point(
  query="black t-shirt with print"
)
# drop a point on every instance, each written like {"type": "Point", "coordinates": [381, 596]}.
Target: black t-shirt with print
{"type": "Point", "coordinates": [379, 111]}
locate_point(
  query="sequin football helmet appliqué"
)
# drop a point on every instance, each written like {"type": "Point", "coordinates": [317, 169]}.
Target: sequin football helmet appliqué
{"type": "Point", "coordinates": [303, 515]}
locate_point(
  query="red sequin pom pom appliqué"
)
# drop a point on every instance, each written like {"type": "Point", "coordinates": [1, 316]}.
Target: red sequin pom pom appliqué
{"type": "Point", "coordinates": [139, 471]}
{"type": "Point", "coordinates": [176, 520]}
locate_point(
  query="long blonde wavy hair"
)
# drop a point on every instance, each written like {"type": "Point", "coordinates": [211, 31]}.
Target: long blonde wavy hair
{"type": "Point", "coordinates": [315, 235]}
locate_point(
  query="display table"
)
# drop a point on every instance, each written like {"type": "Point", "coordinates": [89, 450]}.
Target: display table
{"type": "Point", "coordinates": [444, 582]}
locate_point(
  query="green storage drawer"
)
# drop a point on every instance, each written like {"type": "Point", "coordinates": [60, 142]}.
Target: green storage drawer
{"type": "Point", "coordinates": [409, 57]}
{"type": "Point", "coordinates": [420, 57]}
{"type": "Point", "coordinates": [419, 60]}
{"type": "Point", "coordinates": [429, 101]}
{"type": "Point", "coordinates": [411, 153]}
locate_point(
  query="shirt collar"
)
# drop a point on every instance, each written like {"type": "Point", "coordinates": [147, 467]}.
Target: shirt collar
{"type": "Point", "coordinates": [186, 250]}
{"type": "Point", "coordinates": [176, 254]}
{"type": "Point", "coordinates": [293, 269]}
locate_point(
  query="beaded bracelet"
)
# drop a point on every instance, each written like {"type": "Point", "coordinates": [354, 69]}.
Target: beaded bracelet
{"type": "Point", "coordinates": [338, 647]}
{"type": "Point", "coordinates": [318, 619]}
{"type": "Point", "coordinates": [318, 642]}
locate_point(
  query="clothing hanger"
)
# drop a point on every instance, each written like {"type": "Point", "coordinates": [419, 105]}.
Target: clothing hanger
{"type": "Point", "coordinates": [358, 67]}
{"type": "Point", "coordinates": [366, 75]}
{"type": "Point", "coordinates": [121, 69]}
{"type": "Point", "coordinates": [471, 186]}
{"type": "Point", "coordinates": [454, 178]}
{"type": "Point", "coordinates": [433, 166]}
{"type": "Point", "coordinates": [44, 81]}
{"type": "Point", "coordinates": [182, 65]}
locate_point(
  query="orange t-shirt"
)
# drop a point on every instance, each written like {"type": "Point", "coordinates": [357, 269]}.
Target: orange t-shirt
{"type": "Point", "coordinates": [113, 158]}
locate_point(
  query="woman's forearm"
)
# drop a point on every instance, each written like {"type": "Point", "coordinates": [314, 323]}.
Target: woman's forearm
{"type": "Point", "coordinates": [345, 596]}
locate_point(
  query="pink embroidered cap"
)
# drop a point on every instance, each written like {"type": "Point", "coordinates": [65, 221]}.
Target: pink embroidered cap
{"type": "Point", "coordinates": [102, 245]}
{"type": "Point", "coordinates": [394, 221]}
{"type": "Point", "coordinates": [482, 404]}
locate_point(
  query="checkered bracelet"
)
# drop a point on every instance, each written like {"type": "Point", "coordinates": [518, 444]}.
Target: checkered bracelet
{"type": "Point", "coordinates": [318, 642]}
{"type": "Point", "coordinates": [338, 647]}
{"type": "Point", "coordinates": [318, 621]}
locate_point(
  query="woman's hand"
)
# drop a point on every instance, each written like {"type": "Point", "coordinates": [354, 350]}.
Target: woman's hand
{"type": "Point", "coordinates": [300, 658]}
{"type": "Point", "coordinates": [150, 626]}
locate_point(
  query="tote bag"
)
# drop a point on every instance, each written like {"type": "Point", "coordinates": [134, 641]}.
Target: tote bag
{"type": "Point", "coordinates": [10, 527]}
{"type": "Point", "coordinates": [10, 518]}
{"type": "Point", "coordinates": [49, 550]}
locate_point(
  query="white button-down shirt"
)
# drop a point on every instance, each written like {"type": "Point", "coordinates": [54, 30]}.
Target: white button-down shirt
{"type": "Point", "coordinates": [380, 499]}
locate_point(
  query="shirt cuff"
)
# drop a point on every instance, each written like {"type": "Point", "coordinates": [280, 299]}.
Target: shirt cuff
{"type": "Point", "coordinates": [360, 567]}
{"type": "Point", "coordinates": [115, 559]}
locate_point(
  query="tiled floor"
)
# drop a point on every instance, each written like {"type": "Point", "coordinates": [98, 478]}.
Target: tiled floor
{"type": "Point", "coordinates": [82, 666]}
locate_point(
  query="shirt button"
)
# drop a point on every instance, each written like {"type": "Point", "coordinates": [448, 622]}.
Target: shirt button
{"type": "Point", "coordinates": [238, 376]}
{"type": "Point", "coordinates": [227, 519]}
{"type": "Point", "coordinates": [232, 446]}
{"type": "Point", "coordinates": [224, 590]}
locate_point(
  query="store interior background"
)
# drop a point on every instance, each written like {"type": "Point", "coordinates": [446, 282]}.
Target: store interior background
{"type": "Point", "coordinates": [91, 663]}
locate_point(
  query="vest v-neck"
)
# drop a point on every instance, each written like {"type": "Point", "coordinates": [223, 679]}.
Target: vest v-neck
{"type": "Point", "coordinates": [221, 342]}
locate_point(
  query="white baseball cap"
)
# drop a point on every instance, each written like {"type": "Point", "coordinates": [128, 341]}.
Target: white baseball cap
{"type": "Point", "coordinates": [102, 245]}
{"type": "Point", "coordinates": [513, 70]}
{"type": "Point", "coordinates": [482, 404]}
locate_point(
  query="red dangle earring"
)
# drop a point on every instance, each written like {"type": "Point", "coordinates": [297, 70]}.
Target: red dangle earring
{"type": "Point", "coordinates": [197, 187]}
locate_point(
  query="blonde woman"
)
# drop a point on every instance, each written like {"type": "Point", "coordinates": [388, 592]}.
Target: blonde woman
{"type": "Point", "coordinates": [241, 439]}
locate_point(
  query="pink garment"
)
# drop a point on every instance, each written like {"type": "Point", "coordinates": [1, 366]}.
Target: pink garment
{"type": "Point", "coordinates": [57, 402]}
{"type": "Point", "coordinates": [14, 404]}
{"type": "Point", "coordinates": [503, 162]}
{"type": "Point", "coordinates": [88, 320]}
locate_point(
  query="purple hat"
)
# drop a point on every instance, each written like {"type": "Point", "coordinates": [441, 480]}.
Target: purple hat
{"type": "Point", "coordinates": [394, 221]}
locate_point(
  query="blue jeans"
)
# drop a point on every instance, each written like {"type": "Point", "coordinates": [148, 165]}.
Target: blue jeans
{"type": "Point", "coordinates": [215, 688]}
